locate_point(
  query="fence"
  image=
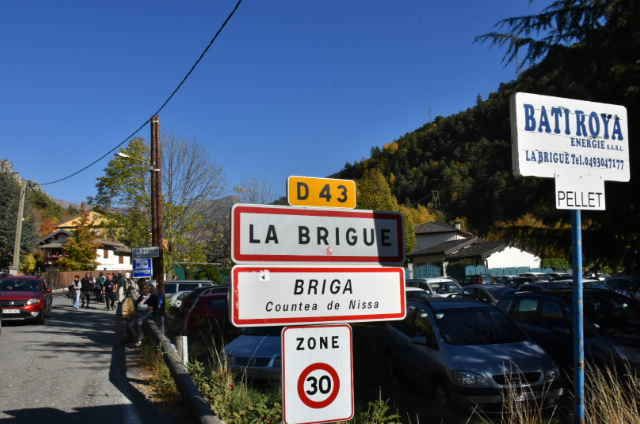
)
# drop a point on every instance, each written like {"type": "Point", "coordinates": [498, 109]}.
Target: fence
{"type": "Point", "coordinates": [497, 272]}
{"type": "Point", "coordinates": [63, 279]}
{"type": "Point", "coordinates": [426, 271]}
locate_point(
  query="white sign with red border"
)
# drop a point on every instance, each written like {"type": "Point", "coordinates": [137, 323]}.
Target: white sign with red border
{"type": "Point", "coordinates": [317, 374]}
{"type": "Point", "coordinates": [280, 295]}
{"type": "Point", "coordinates": [284, 234]}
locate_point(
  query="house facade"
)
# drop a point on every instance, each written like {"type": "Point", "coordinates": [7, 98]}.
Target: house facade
{"type": "Point", "coordinates": [110, 255]}
{"type": "Point", "coordinates": [447, 250]}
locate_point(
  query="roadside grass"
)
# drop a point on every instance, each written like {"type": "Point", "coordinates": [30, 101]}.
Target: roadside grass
{"type": "Point", "coordinates": [237, 402]}
{"type": "Point", "coordinates": [161, 381]}
{"type": "Point", "coordinates": [611, 397]}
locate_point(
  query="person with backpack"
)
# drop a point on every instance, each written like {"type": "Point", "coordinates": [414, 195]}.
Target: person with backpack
{"type": "Point", "coordinates": [100, 281]}
{"type": "Point", "coordinates": [110, 290]}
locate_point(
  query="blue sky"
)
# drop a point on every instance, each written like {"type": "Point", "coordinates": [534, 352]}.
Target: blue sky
{"type": "Point", "coordinates": [291, 87]}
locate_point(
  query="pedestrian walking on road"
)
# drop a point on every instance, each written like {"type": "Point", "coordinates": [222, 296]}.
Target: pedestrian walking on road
{"type": "Point", "coordinates": [77, 287]}
{"type": "Point", "coordinates": [110, 290]}
{"type": "Point", "coordinates": [86, 289]}
{"type": "Point", "coordinates": [100, 281]}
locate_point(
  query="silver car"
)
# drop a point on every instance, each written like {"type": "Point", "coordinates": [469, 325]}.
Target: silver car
{"type": "Point", "coordinates": [256, 353]}
{"type": "Point", "coordinates": [468, 352]}
{"type": "Point", "coordinates": [437, 286]}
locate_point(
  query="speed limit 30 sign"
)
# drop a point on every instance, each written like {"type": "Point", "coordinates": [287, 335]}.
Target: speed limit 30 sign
{"type": "Point", "coordinates": [317, 375]}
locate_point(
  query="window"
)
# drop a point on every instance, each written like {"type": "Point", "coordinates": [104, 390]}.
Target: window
{"type": "Point", "coordinates": [424, 327]}
{"type": "Point", "coordinates": [407, 325]}
{"type": "Point", "coordinates": [552, 311]}
{"type": "Point", "coordinates": [188, 286]}
{"type": "Point", "coordinates": [120, 259]}
{"type": "Point", "coordinates": [105, 253]}
{"type": "Point", "coordinates": [526, 310]}
{"type": "Point", "coordinates": [477, 326]}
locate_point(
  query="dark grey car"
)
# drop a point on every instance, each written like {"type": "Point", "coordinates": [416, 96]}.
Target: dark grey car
{"type": "Point", "coordinates": [469, 352]}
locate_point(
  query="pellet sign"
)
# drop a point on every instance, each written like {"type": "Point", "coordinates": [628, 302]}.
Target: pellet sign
{"type": "Point", "coordinates": [292, 234]}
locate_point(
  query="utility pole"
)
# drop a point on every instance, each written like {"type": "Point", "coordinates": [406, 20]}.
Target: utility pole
{"type": "Point", "coordinates": [157, 211]}
{"type": "Point", "coordinates": [18, 239]}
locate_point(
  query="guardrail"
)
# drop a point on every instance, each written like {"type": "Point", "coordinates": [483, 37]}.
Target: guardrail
{"type": "Point", "coordinates": [197, 403]}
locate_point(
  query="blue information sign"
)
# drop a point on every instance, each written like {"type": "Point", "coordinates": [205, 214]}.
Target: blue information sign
{"type": "Point", "coordinates": [142, 268]}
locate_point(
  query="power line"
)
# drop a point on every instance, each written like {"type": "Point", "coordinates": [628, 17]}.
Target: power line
{"type": "Point", "coordinates": [160, 108]}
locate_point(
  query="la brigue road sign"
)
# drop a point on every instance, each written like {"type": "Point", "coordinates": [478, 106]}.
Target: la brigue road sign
{"type": "Point", "coordinates": [317, 374]}
{"type": "Point", "coordinates": [280, 295]}
{"type": "Point", "coordinates": [283, 234]}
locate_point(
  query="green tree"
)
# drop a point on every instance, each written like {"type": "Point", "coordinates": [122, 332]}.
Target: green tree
{"type": "Point", "coordinates": [80, 249]}
{"type": "Point", "coordinates": [9, 198]}
{"type": "Point", "coordinates": [190, 184]}
{"type": "Point", "coordinates": [123, 194]}
{"type": "Point", "coordinates": [375, 193]}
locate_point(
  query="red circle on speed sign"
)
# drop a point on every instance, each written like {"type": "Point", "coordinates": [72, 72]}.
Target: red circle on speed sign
{"type": "Point", "coordinates": [334, 387]}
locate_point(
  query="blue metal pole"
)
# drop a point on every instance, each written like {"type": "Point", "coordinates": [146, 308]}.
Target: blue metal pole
{"type": "Point", "coordinates": [578, 324]}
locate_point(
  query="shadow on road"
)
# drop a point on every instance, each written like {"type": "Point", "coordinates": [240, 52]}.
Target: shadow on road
{"type": "Point", "coordinates": [91, 339]}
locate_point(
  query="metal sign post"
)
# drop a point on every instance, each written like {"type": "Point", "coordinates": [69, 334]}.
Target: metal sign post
{"type": "Point", "coordinates": [581, 145]}
{"type": "Point", "coordinates": [578, 316]}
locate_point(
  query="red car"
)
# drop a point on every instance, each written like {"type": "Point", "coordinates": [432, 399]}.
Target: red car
{"type": "Point", "coordinates": [24, 298]}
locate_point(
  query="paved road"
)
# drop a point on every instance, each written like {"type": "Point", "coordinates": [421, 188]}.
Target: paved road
{"type": "Point", "coordinates": [71, 370]}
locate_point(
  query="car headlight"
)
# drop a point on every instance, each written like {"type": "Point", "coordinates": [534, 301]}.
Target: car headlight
{"type": "Point", "coordinates": [32, 302]}
{"type": "Point", "coordinates": [551, 375]}
{"type": "Point", "coordinates": [468, 378]}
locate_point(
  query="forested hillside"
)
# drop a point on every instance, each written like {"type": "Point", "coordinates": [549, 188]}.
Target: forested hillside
{"type": "Point", "coordinates": [589, 50]}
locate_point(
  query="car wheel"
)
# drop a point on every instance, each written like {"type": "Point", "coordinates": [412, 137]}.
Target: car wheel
{"type": "Point", "coordinates": [40, 320]}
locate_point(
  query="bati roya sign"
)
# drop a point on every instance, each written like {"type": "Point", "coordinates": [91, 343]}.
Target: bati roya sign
{"type": "Point", "coordinates": [279, 295]}
{"type": "Point", "coordinates": [317, 374]}
{"type": "Point", "coordinates": [286, 234]}
{"type": "Point", "coordinates": [579, 143]}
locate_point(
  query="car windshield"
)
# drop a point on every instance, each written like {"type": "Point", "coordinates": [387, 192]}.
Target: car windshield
{"type": "Point", "coordinates": [477, 326]}
{"type": "Point", "coordinates": [170, 288]}
{"type": "Point", "coordinates": [445, 287]}
{"type": "Point", "coordinates": [18, 285]}
{"type": "Point", "coordinates": [262, 331]}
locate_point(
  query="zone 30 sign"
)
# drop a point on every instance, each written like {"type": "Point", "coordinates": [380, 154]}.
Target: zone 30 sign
{"type": "Point", "coordinates": [318, 363]}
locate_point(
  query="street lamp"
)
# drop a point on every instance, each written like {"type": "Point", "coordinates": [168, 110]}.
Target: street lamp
{"type": "Point", "coordinates": [126, 156]}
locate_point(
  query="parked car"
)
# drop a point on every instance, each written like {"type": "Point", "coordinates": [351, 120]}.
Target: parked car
{"type": "Point", "coordinates": [468, 352]}
{"type": "Point", "coordinates": [416, 293]}
{"type": "Point", "coordinates": [255, 353]}
{"type": "Point", "coordinates": [24, 298]}
{"type": "Point", "coordinates": [488, 293]}
{"type": "Point", "coordinates": [478, 279]}
{"type": "Point", "coordinates": [436, 286]}
{"type": "Point", "coordinates": [173, 289]}
{"type": "Point", "coordinates": [611, 324]}
{"type": "Point", "coordinates": [625, 285]}
{"type": "Point", "coordinates": [553, 276]}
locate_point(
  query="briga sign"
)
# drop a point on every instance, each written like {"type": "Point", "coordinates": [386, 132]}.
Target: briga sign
{"type": "Point", "coordinates": [290, 234]}
{"type": "Point", "coordinates": [271, 295]}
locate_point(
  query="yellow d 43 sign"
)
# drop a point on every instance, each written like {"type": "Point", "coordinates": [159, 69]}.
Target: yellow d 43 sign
{"type": "Point", "coordinates": [311, 191]}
